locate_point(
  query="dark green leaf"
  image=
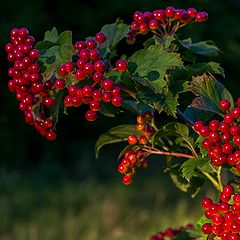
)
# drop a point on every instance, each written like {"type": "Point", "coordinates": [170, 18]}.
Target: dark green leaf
{"type": "Point", "coordinates": [209, 92]}
{"type": "Point", "coordinates": [114, 32]}
{"type": "Point", "coordinates": [43, 45]}
{"type": "Point", "coordinates": [195, 114]}
{"type": "Point", "coordinates": [191, 187]}
{"type": "Point", "coordinates": [205, 48]}
{"type": "Point", "coordinates": [201, 68]}
{"type": "Point", "coordinates": [179, 131]}
{"type": "Point", "coordinates": [159, 102]}
{"type": "Point", "coordinates": [189, 167]}
{"type": "Point", "coordinates": [109, 110]}
{"type": "Point", "coordinates": [114, 135]}
{"type": "Point", "coordinates": [154, 59]}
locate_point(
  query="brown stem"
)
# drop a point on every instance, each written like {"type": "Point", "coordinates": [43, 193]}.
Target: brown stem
{"type": "Point", "coordinates": [174, 154]}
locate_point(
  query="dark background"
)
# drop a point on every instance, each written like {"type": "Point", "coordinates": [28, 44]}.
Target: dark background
{"type": "Point", "coordinates": [34, 160]}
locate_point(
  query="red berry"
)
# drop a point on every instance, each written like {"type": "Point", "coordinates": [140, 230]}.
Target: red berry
{"type": "Point", "coordinates": [91, 44]}
{"type": "Point", "coordinates": [206, 203]}
{"type": "Point", "coordinates": [48, 101]}
{"type": "Point", "coordinates": [51, 135]}
{"type": "Point", "coordinates": [207, 228]}
{"type": "Point", "coordinates": [91, 115]}
{"type": "Point", "coordinates": [117, 101]}
{"type": "Point", "coordinates": [127, 180]}
{"type": "Point", "coordinates": [100, 37]}
{"type": "Point", "coordinates": [201, 16]}
{"type": "Point", "coordinates": [214, 125]}
{"type": "Point", "coordinates": [99, 66]}
{"type": "Point", "coordinates": [132, 139]}
{"type": "Point", "coordinates": [34, 54]}
{"type": "Point", "coordinates": [95, 105]}
{"type": "Point", "coordinates": [59, 84]}
{"type": "Point", "coordinates": [107, 84]}
{"type": "Point", "coordinates": [170, 11]}
{"type": "Point", "coordinates": [224, 104]}
{"type": "Point", "coordinates": [159, 14]}
{"type": "Point", "coordinates": [228, 190]}
{"type": "Point", "coordinates": [192, 12]}
{"type": "Point", "coordinates": [69, 66]}
{"type": "Point", "coordinates": [198, 125]}
{"type": "Point", "coordinates": [122, 65]}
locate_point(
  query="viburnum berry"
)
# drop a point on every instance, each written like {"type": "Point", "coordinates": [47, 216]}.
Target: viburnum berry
{"type": "Point", "coordinates": [224, 105]}
{"type": "Point", "coordinates": [100, 37]}
{"type": "Point", "coordinates": [132, 139]}
{"type": "Point", "coordinates": [127, 180]}
{"type": "Point", "coordinates": [91, 115]}
{"type": "Point", "coordinates": [225, 215]}
{"type": "Point", "coordinates": [122, 65]}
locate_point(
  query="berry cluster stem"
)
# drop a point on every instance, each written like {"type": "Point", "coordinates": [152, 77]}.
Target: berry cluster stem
{"type": "Point", "coordinates": [174, 154]}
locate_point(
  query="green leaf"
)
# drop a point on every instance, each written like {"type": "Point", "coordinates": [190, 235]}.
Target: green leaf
{"type": "Point", "coordinates": [201, 68]}
{"type": "Point", "coordinates": [196, 114]}
{"type": "Point", "coordinates": [179, 131]}
{"type": "Point", "coordinates": [189, 167]}
{"type": "Point", "coordinates": [159, 102]}
{"type": "Point", "coordinates": [209, 92]}
{"type": "Point", "coordinates": [58, 103]}
{"type": "Point", "coordinates": [205, 48]}
{"type": "Point", "coordinates": [191, 187]}
{"type": "Point", "coordinates": [65, 38]}
{"type": "Point", "coordinates": [199, 141]}
{"type": "Point", "coordinates": [115, 32]}
{"type": "Point", "coordinates": [57, 51]}
{"type": "Point", "coordinates": [115, 135]}
{"type": "Point", "coordinates": [43, 45]}
{"type": "Point", "coordinates": [154, 59]}
{"type": "Point", "coordinates": [51, 36]}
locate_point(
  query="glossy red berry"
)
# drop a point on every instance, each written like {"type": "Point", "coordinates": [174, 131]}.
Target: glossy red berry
{"type": "Point", "coordinates": [91, 115]}
{"type": "Point", "coordinates": [132, 140]}
{"type": "Point", "coordinates": [122, 65]}
{"type": "Point", "coordinates": [127, 180]}
{"type": "Point", "coordinates": [100, 37]}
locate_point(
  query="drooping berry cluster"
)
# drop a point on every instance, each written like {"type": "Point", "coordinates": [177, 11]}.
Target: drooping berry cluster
{"type": "Point", "coordinates": [136, 158]}
{"type": "Point", "coordinates": [170, 233]}
{"type": "Point", "coordinates": [224, 216]}
{"type": "Point", "coordinates": [93, 87]}
{"type": "Point", "coordinates": [144, 125]}
{"type": "Point", "coordinates": [163, 22]}
{"type": "Point", "coordinates": [222, 139]}
{"type": "Point", "coordinates": [27, 83]}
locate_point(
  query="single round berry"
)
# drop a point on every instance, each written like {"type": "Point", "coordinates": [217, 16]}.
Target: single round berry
{"type": "Point", "coordinates": [91, 115]}
{"type": "Point", "coordinates": [122, 65]}
{"type": "Point", "coordinates": [127, 180]}
{"type": "Point", "coordinates": [132, 139]}
{"type": "Point", "coordinates": [224, 104]}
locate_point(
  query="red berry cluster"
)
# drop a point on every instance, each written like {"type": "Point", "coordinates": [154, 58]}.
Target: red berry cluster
{"type": "Point", "coordinates": [136, 158]}
{"type": "Point", "coordinates": [132, 160]}
{"type": "Point", "coordinates": [170, 233]}
{"type": "Point", "coordinates": [144, 125]}
{"type": "Point", "coordinates": [163, 22]}
{"type": "Point", "coordinates": [222, 139]}
{"type": "Point", "coordinates": [93, 87]}
{"type": "Point", "coordinates": [224, 216]}
{"type": "Point", "coordinates": [27, 83]}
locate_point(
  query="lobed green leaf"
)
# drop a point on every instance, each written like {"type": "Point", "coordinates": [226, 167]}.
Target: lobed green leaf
{"type": "Point", "coordinates": [115, 135]}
